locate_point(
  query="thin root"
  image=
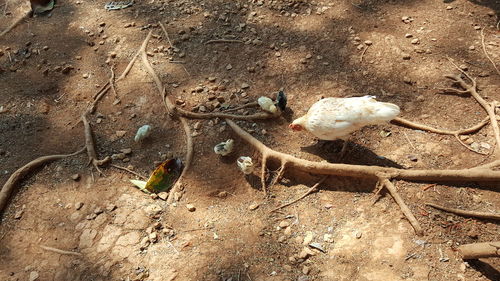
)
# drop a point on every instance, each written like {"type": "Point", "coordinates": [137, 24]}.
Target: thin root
{"type": "Point", "coordinates": [464, 213]}
{"type": "Point", "coordinates": [404, 208]}
{"type": "Point", "coordinates": [130, 171]}
{"type": "Point", "coordinates": [313, 189]}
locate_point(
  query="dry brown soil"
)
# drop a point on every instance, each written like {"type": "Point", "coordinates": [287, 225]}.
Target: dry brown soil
{"type": "Point", "coordinates": [52, 65]}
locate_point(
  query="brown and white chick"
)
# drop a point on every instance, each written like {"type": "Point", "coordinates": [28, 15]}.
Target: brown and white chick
{"type": "Point", "coordinates": [337, 118]}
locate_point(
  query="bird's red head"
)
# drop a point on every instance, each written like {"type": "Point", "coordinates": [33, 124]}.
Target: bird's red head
{"type": "Point", "coordinates": [295, 127]}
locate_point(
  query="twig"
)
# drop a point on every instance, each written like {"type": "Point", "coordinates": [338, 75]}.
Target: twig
{"type": "Point", "coordinates": [102, 91]}
{"type": "Point", "coordinates": [250, 104]}
{"type": "Point", "coordinates": [112, 82]}
{"type": "Point", "coordinates": [404, 208]}
{"type": "Point", "coordinates": [486, 53]}
{"type": "Point", "coordinates": [166, 34]}
{"type": "Point", "coordinates": [171, 245]}
{"type": "Point", "coordinates": [59, 251]}
{"type": "Point", "coordinates": [314, 188]}
{"type": "Point", "coordinates": [363, 53]}
{"type": "Point", "coordinates": [23, 171]}
{"type": "Point", "coordinates": [428, 186]}
{"type": "Point", "coordinates": [89, 144]}
{"type": "Point", "coordinates": [223, 41]}
{"type": "Point", "coordinates": [465, 213]}
{"type": "Point", "coordinates": [211, 115]}
{"type": "Point", "coordinates": [130, 171]}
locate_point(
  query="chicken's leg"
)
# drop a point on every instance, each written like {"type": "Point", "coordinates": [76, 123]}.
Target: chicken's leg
{"type": "Point", "coordinates": [344, 148]}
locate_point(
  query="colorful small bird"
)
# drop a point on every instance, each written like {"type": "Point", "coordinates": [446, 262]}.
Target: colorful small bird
{"type": "Point", "coordinates": [40, 6]}
{"type": "Point", "coordinates": [142, 133]}
{"type": "Point", "coordinates": [267, 104]}
{"type": "Point", "coordinates": [224, 148]}
{"type": "Point", "coordinates": [245, 164]}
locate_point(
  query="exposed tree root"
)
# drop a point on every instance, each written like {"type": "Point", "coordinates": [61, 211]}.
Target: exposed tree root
{"type": "Point", "coordinates": [489, 108]}
{"type": "Point", "coordinates": [211, 115]}
{"type": "Point", "coordinates": [382, 174]}
{"type": "Point", "coordinates": [464, 213]}
{"type": "Point", "coordinates": [480, 250]}
{"type": "Point", "coordinates": [486, 52]}
{"type": "Point", "coordinates": [89, 144]}
{"type": "Point", "coordinates": [172, 110]}
{"type": "Point", "coordinates": [404, 208]}
{"type": "Point", "coordinates": [9, 185]}
{"type": "Point", "coordinates": [313, 188]}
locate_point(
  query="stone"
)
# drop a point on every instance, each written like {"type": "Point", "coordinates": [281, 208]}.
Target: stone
{"type": "Point", "coordinates": [253, 206]}
{"type": "Point", "coordinates": [18, 215]}
{"type": "Point", "coordinates": [368, 43]}
{"type": "Point", "coordinates": [78, 205]}
{"type": "Point", "coordinates": [120, 133]}
{"type": "Point", "coordinates": [308, 238]}
{"type": "Point", "coordinates": [306, 270]}
{"type": "Point", "coordinates": [87, 238]}
{"type": "Point", "coordinates": [129, 239]}
{"type": "Point", "coordinates": [163, 195]}
{"type": "Point", "coordinates": [406, 56]}
{"type": "Point", "coordinates": [98, 210]}
{"type": "Point", "coordinates": [245, 86]}
{"type": "Point", "coordinates": [153, 237]}
{"type": "Point", "coordinates": [126, 151]}
{"type": "Point", "coordinates": [153, 210]}
{"type": "Point", "coordinates": [229, 67]}
{"type": "Point", "coordinates": [33, 276]}
{"type": "Point", "coordinates": [110, 207]}
{"type": "Point", "coordinates": [328, 238]}
{"type": "Point", "coordinates": [284, 224]}
{"type": "Point", "coordinates": [191, 207]}
{"type": "Point", "coordinates": [75, 177]}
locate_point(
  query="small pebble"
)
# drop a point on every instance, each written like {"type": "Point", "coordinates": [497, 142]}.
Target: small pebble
{"type": "Point", "coordinates": [18, 214]}
{"type": "Point", "coordinates": [163, 195]}
{"type": "Point", "coordinates": [415, 41]}
{"type": "Point", "coordinates": [408, 35]}
{"type": "Point", "coordinates": [358, 235]}
{"type": "Point", "coordinates": [368, 43]}
{"type": "Point", "coordinates": [78, 205]}
{"type": "Point", "coordinates": [153, 237]}
{"type": "Point", "coordinates": [406, 56]}
{"type": "Point", "coordinates": [229, 67]}
{"type": "Point", "coordinates": [75, 177]}
{"type": "Point", "coordinates": [284, 224]}
{"type": "Point", "coordinates": [306, 270]}
{"type": "Point", "coordinates": [308, 238]}
{"type": "Point", "coordinates": [245, 86]}
{"type": "Point", "coordinates": [253, 206]}
{"type": "Point", "coordinates": [449, 7]}
{"type": "Point", "coordinates": [191, 207]}
{"type": "Point", "coordinates": [110, 207]}
{"type": "Point", "coordinates": [126, 150]}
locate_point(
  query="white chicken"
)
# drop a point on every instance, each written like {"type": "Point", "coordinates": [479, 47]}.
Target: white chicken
{"type": "Point", "coordinates": [224, 148]}
{"type": "Point", "coordinates": [337, 118]}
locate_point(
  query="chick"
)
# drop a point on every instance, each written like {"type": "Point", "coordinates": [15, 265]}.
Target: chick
{"type": "Point", "coordinates": [224, 148]}
{"type": "Point", "coordinates": [142, 133]}
{"type": "Point", "coordinates": [281, 100]}
{"type": "Point", "coordinates": [41, 6]}
{"type": "Point", "coordinates": [245, 164]}
{"type": "Point", "coordinates": [267, 104]}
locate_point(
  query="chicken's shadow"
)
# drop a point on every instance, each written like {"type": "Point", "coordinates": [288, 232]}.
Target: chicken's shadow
{"type": "Point", "coordinates": [356, 154]}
